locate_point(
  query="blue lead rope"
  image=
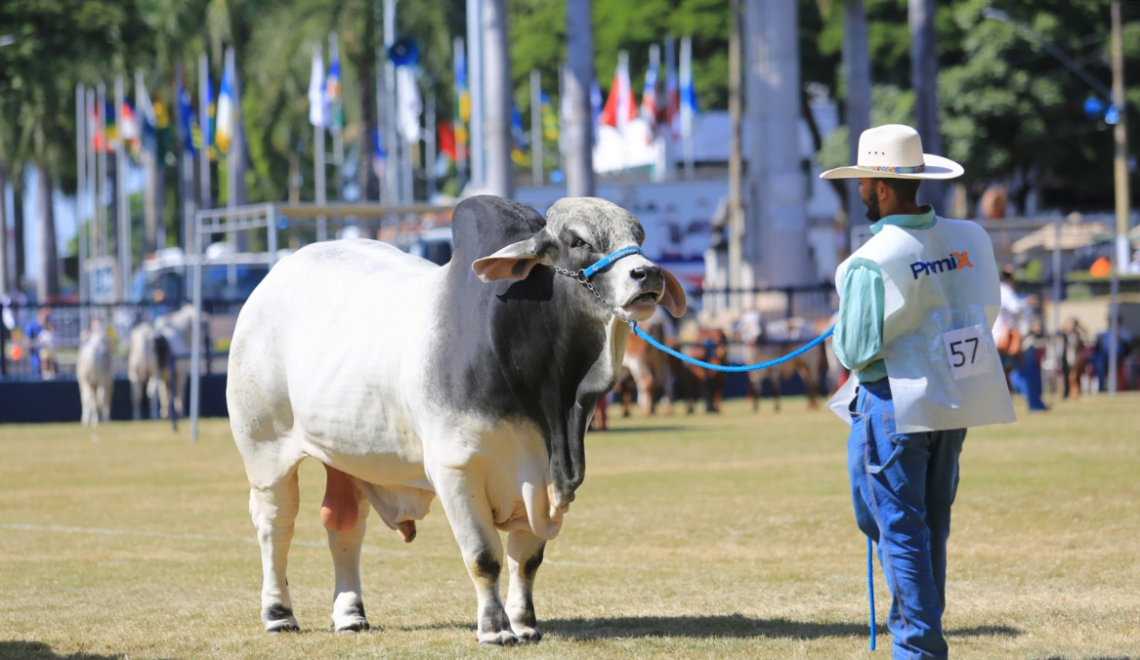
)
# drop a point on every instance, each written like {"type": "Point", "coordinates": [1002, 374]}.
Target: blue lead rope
{"type": "Point", "coordinates": [732, 369]}
{"type": "Point", "coordinates": [871, 588]}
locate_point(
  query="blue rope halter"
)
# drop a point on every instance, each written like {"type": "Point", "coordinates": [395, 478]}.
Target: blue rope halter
{"type": "Point", "coordinates": [583, 276]}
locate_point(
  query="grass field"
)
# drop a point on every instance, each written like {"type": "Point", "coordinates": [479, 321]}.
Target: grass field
{"type": "Point", "coordinates": [702, 536]}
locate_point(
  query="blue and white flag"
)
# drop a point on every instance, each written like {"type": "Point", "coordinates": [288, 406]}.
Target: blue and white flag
{"type": "Point", "coordinates": [318, 103]}
{"type": "Point", "coordinates": [224, 131]}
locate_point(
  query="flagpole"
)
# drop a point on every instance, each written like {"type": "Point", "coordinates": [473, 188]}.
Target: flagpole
{"type": "Point", "coordinates": [148, 163]}
{"type": "Point", "coordinates": [429, 148]}
{"type": "Point", "coordinates": [185, 161]}
{"type": "Point", "coordinates": [459, 61]}
{"type": "Point", "coordinates": [319, 163]}
{"type": "Point", "coordinates": [667, 99]}
{"type": "Point", "coordinates": [686, 110]}
{"type": "Point", "coordinates": [392, 167]}
{"type": "Point", "coordinates": [92, 185]}
{"type": "Point", "coordinates": [123, 233]}
{"type": "Point", "coordinates": [80, 190]}
{"type": "Point", "coordinates": [536, 127]}
{"type": "Point", "coordinates": [659, 163]}
{"type": "Point", "coordinates": [334, 127]}
{"type": "Point", "coordinates": [101, 171]}
{"type": "Point", "coordinates": [206, 201]}
{"type": "Point", "coordinates": [475, 90]}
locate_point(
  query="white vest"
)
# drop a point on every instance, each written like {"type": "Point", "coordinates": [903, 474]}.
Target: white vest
{"type": "Point", "coordinates": [941, 298]}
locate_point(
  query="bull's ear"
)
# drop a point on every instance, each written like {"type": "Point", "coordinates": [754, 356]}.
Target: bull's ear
{"type": "Point", "coordinates": [674, 300]}
{"type": "Point", "coordinates": [515, 261]}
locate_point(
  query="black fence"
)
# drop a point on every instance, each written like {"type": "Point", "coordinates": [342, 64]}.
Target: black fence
{"type": "Point", "coordinates": [41, 342]}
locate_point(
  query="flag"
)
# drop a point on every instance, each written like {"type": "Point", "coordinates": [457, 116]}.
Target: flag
{"type": "Point", "coordinates": [225, 116]}
{"type": "Point", "coordinates": [110, 129]}
{"type": "Point", "coordinates": [161, 127]}
{"type": "Point", "coordinates": [672, 105]}
{"type": "Point", "coordinates": [129, 130]}
{"type": "Point", "coordinates": [186, 114]}
{"type": "Point", "coordinates": [318, 112]}
{"type": "Point", "coordinates": [549, 117]}
{"type": "Point", "coordinates": [649, 108]}
{"type": "Point", "coordinates": [462, 99]}
{"type": "Point", "coordinates": [519, 135]}
{"type": "Point", "coordinates": [146, 110]}
{"type": "Point", "coordinates": [97, 129]}
{"type": "Point", "coordinates": [332, 87]}
{"type": "Point", "coordinates": [689, 108]}
{"type": "Point", "coordinates": [408, 96]}
{"type": "Point", "coordinates": [445, 138]}
{"type": "Point", "coordinates": [379, 155]}
{"type": "Point", "coordinates": [208, 124]}
{"type": "Point", "coordinates": [595, 104]}
{"type": "Point", "coordinates": [620, 108]}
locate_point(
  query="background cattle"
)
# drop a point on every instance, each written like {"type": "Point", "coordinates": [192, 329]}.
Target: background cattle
{"type": "Point", "coordinates": [148, 366]}
{"type": "Point", "coordinates": [778, 338]}
{"type": "Point", "coordinates": [176, 329]}
{"type": "Point", "coordinates": [93, 371]}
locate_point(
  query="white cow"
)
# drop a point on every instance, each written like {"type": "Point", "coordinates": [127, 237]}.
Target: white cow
{"type": "Point", "coordinates": [143, 370]}
{"type": "Point", "coordinates": [474, 381]}
{"type": "Point", "coordinates": [93, 371]}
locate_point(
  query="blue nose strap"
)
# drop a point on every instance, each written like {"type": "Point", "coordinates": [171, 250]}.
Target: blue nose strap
{"type": "Point", "coordinates": [587, 273]}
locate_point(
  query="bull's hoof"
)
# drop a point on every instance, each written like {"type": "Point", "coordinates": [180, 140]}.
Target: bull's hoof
{"type": "Point", "coordinates": [528, 635]}
{"type": "Point", "coordinates": [503, 638]}
{"type": "Point", "coordinates": [353, 628]}
{"type": "Point", "coordinates": [282, 626]}
{"type": "Point", "coordinates": [279, 619]}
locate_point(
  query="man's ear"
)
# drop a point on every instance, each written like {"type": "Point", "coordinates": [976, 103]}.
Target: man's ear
{"type": "Point", "coordinates": [515, 261]}
{"type": "Point", "coordinates": [673, 300]}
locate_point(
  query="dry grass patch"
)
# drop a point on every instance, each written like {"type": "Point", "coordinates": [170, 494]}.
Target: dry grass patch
{"type": "Point", "coordinates": [702, 536]}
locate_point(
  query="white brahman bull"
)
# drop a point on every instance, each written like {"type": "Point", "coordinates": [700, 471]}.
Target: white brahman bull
{"type": "Point", "coordinates": [93, 371]}
{"type": "Point", "coordinates": [474, 381]}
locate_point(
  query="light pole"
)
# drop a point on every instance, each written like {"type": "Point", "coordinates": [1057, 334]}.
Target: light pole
{"type": "Point", "coordinates": [1120, 162]}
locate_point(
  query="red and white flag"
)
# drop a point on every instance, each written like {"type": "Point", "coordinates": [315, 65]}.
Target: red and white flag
{"type": "Point", "coordinates": [620, 107]}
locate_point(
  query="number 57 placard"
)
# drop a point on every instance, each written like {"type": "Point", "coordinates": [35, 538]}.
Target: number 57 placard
{"type": "Point", "coordinates": [969, 352]}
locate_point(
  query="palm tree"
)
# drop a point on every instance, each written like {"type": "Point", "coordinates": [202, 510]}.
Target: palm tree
{"type": "Point", "coordinates": [924, 77]}
{"type": "Point", "coordinates": [578, 78]}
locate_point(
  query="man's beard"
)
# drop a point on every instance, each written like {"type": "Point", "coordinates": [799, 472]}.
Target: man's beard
{"type": "Point", "coordinates": [873, 212]}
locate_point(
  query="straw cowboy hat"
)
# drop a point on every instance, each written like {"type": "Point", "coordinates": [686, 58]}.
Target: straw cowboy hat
{"type": "Point", "coordinates": [894, 151]}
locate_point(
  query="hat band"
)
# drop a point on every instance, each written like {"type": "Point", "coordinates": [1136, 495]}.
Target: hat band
{"type": "Point", "coordinates": [891, 169]}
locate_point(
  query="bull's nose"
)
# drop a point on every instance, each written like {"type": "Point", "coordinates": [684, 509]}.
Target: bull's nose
{"type": "Point", "coordinates": [642, 273]}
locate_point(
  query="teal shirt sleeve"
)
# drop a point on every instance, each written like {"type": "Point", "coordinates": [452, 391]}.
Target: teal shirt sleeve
{"type": "Point", "coordinates": [859, 331]}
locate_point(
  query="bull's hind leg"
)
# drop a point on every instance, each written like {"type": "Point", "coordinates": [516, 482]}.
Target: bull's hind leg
{"type": "Point", "coordinates": [344, 513]}
{"type": "Point", "coordinates": [274, 510]}
{"type": "Point", "coordinates": [524, 555]}
{"type": "Point", "coordinates": [465, 502]}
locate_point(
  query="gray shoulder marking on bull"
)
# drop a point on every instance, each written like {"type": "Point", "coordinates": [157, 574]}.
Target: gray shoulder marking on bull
{"type": "Point", "coordinates": [526, 349]}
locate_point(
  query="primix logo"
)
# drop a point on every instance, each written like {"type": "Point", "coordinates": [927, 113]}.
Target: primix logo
{"type": "Point", "coordinates": [956, 261]}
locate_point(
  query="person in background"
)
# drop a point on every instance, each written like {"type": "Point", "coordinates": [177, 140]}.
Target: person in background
{"type": "Point", "coordinates": [1073, 338]}
{"type": "Point", "coordinates": [1032, 351]}
{"type": "Point", "coordinates": [45, 345]}
{"type": "Point", "coordinates": [1007, 326]}
{"type": "Point", "coordinates": [1101, 351]}
{"type": "Point", "coordinates": [31, 334]}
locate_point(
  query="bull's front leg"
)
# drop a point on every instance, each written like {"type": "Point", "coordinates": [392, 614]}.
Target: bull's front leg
{"type": "Point", "coordinates": [464, 500]}
{"type": "Point", "coordinates": [524, 555]}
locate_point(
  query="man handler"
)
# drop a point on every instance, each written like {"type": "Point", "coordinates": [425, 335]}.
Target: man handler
{"type": "Point", "coordinates": [916, 307]}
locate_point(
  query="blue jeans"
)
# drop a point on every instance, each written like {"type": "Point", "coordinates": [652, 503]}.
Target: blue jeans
{"type": "Point", "coordinates": [903, 485]}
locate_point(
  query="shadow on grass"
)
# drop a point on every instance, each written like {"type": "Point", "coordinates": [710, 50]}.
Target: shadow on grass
{"type": "Point", "coordinates": [24, 650]}
{"type": "Point", "coordinates": [731, 625]}
{"type": "Point", "coordinates": [982, 631]}
{"type": "Point", "coordinates": [1099, 657]}
{"type": "Point", "coordinates": [643, 429]}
